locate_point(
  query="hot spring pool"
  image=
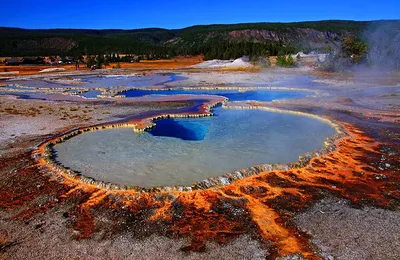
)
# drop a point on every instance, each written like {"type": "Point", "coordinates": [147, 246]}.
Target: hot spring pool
{"type": "Point", "coordinates": [184, 151]}
{"type": "Point", "coordinates": [231, 94]}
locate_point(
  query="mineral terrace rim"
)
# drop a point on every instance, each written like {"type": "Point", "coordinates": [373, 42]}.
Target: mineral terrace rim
{"type": "Point", "coordinates": [44, 153]}
{"type": "Point", "coordinates": [118, 93]}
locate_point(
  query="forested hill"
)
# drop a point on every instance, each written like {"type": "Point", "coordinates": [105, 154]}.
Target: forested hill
{"type": "Point", "coordinates": [214, 41]}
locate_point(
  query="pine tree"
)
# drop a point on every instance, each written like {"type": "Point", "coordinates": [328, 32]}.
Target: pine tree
{"type": "Point", "coordinates": [289, 61]}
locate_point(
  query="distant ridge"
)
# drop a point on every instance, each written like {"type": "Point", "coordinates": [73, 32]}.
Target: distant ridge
{"type": "Point", "coordinates": [316, 35]}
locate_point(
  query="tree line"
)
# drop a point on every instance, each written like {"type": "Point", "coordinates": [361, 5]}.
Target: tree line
{"type": "Point", "coordinates": [226, 50]}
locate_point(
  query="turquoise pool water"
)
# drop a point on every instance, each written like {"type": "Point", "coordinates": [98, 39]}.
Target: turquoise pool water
{"type": "Point", "coordinates": [232, 95]}
{"type": "Point", "coordinates": [184, 151]}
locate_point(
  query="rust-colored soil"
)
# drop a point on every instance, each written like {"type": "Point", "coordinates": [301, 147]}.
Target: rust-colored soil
{"type": "Point", "coordinates": [162, 64]}
{"type": "Point", "coordinates": [179, 62]}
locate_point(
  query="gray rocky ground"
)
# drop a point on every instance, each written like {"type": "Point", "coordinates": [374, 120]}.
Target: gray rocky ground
{"type": "Point", "coordinates": [340, 231]}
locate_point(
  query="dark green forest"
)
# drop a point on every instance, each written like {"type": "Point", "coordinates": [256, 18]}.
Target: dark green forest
{"type": "Point", "coordinates": [213, 41]}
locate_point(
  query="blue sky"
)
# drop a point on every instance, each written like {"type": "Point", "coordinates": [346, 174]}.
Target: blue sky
{"type": "Point", "coordinates": [130, 14]}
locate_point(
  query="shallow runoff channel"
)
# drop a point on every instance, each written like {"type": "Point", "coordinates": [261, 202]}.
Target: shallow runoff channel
{"type": "Point", "coordinates": [183, 151]}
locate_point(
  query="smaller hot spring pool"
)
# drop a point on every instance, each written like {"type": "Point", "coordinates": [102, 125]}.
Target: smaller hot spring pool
{"type": "Point", "coordinates": [184, 151]}
{"type": "Point", "coordinates": [231, 94]}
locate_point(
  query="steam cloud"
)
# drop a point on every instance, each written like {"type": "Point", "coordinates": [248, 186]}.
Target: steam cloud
{"type": "Point", "coordinates": [384, 44]}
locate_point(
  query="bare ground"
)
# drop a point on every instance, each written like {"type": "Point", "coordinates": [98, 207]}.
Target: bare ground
{"type": "Point", "coordinates": [340, 231]}
{"type": "Point", "coordinates": [57, 242]}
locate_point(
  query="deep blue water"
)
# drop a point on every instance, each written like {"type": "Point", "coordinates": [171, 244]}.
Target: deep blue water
{"type": "Point", "coordinates": [196, 129]}
{"type": "Point", "coordinates": [189, 130]}
{"type": "Point", "coordinates": [232, 95]}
